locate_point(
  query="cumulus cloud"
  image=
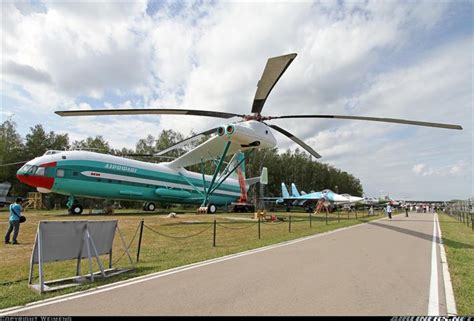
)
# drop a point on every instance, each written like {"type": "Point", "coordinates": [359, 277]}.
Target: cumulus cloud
{"type": "Point", "coordinates": [418, 168]}
{"type": "Point", "coordinates": [25, 72]}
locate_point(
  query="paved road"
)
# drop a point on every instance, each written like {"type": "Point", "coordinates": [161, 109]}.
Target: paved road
{"type": "Point", "coordinates": [378, 268]}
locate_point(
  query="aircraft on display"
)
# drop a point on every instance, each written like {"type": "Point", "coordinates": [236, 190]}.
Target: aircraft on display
{"type": "Point", "coordinates": [379, 202]}
{"type": "Point", "coordinates": [309, 200]}
{"type": "Point", "coordinates": [95, 175]}
{"type": "Point", "coordinates": [4, 199]}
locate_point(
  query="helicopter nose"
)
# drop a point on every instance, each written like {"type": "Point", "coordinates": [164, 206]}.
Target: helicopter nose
{"type": "Point", "coordinates": [32, 179]}
{"type": "Point", "coordinates": [36, 181]}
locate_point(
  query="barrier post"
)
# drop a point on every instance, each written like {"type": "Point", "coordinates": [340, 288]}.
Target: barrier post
{"type": "Point", "coordinates": [140, 240]}
{"type": "Point", "coordinates": [289, 223]}
{"type": "Point", "coordinates": [326, 217]}
{"type": "Point", "coordinates": [356, 215]}
{"type": "Point", "coordinates": [310, 220]}
{"type": "Point", "coordinates": [214, 236]}
{"type": "Point", "coordinates": [338, 217]}
{"type": "Point", "coordinates": [259, 227]}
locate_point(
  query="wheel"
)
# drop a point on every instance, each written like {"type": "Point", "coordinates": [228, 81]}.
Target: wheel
{"type": "Point", "coordinates": [150, 207]}
{"type": "Point", "coordinates": [211, 209]}
{"type": "Point", "coordinates": [76, 209]}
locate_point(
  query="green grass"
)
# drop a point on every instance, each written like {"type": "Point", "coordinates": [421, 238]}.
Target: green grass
{"type": "Point", "coordinates": [158, 252]}
{"type": "Point", "coordinates": [458, 239]}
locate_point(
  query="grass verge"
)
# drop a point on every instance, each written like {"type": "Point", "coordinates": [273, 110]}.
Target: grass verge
{"type": "Point", "coordinates": [458, 241]}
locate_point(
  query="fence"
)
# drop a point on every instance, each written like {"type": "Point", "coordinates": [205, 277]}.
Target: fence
{"type": "Point", "coordinates": [245, 229]}
{"type": "Point", "coordinates": [462, 210]}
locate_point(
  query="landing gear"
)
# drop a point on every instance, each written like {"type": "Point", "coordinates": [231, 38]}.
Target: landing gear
{"type": "Point", "coordinates": [211, 209]}
{"type": "Point", "coordinates": [76, 209]}
{"type": "Point", "coordinates": [309, 209]}
{"type": "Point", "coordinates": [149, 207]}
{"type": "Point", "coordinates": [73, 207]}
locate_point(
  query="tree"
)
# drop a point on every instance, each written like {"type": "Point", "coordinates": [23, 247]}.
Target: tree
{"type": "Point", "coordinates": [11, 152]}
{"type": "Point", "coordinates": [96, 144]}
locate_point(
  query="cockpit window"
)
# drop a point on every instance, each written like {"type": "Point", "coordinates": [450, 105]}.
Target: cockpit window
{"type": "Point", "coordinates": [32, 170]}
{"type": "Point", "coordinates": [40, 171]}
{"type": "Point", "coordinates": [51, 152]}
{"type": "Point", "coordinates": [25, 168]}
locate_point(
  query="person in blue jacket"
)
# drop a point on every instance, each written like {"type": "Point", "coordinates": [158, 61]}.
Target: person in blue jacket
{"type": "Point", "coordinates": [15, 214]}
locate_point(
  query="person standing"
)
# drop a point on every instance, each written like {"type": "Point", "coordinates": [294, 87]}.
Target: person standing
{"type": "Point", "coordinates": [15, 214]}
{"type": "Point", "coordinates": [389, 210]}
{"type": "Point", "coordinates": [406, 210]}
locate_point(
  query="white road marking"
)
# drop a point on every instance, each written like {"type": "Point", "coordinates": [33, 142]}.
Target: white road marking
{"type": "Point", "coordinates": [433, 303]}
{"type": "Point", "coordinates": [156, 275]}
{"type": "Point", "coordinates": [448, 287]}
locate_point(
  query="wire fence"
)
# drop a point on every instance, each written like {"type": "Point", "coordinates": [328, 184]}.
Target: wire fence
{"type": "Point", "coordinates": [240, 226]}
{"type": "Point", "coordinates": [463, 211]}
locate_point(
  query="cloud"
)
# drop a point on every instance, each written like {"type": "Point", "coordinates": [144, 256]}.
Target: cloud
{"type": "Point", "coordinates": [418, 168]}
{"type": "Point", "coordinates": [25, 72]}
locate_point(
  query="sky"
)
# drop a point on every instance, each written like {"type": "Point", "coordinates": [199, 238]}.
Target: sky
{"type": "Point", "coordinates": [397, 59]}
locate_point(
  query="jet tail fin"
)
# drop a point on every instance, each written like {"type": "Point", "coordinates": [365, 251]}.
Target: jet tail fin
{"type": "Point", "coordinates": [294, 190]}
{"type": "Point", "coordinates": [284, 191]}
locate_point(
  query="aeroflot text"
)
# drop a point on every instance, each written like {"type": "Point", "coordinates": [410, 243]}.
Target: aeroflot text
{"type": "Point", "coordinates": [121, 168]}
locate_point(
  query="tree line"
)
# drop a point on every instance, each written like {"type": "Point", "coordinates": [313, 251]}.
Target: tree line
{"type": "Point", "coordinates": [289, 167]}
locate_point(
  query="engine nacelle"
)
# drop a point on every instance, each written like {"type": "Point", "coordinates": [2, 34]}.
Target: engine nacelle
{"type": "Point", "coordinates": [221, 131]}
{"type": "Point", "coordinates": [249, 134]}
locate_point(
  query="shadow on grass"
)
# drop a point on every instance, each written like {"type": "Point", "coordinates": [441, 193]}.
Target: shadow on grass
{"type": "Point", "coordinates": [424, 236]}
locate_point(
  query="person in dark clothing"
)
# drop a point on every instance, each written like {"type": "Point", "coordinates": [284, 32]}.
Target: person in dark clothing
{"type": "Point", "coordinates": [406, 210]}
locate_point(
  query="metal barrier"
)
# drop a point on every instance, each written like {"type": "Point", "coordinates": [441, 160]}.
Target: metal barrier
{"type": "Point", "coordinates": [462, 210]}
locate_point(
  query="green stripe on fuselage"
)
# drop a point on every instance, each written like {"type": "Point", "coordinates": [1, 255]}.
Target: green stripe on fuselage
{"type": "Point", "coordinates": [75, 183]}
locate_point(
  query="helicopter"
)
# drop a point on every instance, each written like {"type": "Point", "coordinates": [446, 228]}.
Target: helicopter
{"type": "Point", "coordinates": [89, 174]}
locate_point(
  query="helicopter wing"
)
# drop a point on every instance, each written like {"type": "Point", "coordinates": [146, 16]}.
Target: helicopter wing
{"type": "Point", "coordinates": [209, 150]}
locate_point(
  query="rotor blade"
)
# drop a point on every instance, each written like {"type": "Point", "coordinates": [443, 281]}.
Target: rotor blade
{"type": "Point", "coordinates": [274, 69]}
{"type": "Point", "coordinates": [145, 155]}
{"type": "Point", "coordinates": [296, 140]}
{"type": "Point", "coordinates": [14, 163]}
{"type": "Point", "coordinates": [187, 141]}
{"type": "Point", "coordinates": [387, 120]}
{"type": "Point", "coordinates": [146, 111]}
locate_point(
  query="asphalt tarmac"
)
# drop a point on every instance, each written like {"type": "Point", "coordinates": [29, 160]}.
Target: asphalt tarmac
{"type": "Point", "coordinates": [381, 268]}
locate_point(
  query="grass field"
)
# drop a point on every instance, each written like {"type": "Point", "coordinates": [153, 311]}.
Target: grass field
{"type": "Point", "coordinates": [458, 240]}
{"type": "Point", "coordinates": [182, 240]}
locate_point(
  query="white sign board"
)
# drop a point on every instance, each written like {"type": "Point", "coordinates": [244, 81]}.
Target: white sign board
{"type": "Point", "coordinates": [64, 240]}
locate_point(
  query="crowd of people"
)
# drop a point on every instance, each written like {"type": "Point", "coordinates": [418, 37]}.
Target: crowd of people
{"type": "Point", "coordinates": [424, 208]}
{"type": "Point", "coordinates": [417, 208]}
